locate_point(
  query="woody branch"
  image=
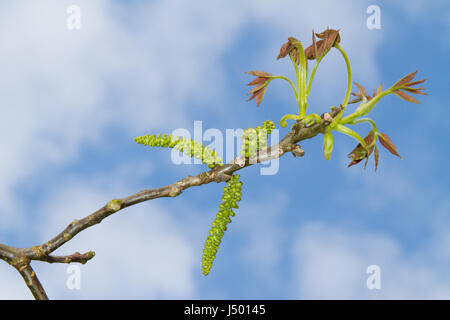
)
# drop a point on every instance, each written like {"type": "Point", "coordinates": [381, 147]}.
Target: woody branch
{"type": "Point", "coordinates": [20, 258]}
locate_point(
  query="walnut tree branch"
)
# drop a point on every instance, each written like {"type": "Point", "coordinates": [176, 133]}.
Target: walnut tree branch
{"type": "Point", "coordinates": [20, 258]}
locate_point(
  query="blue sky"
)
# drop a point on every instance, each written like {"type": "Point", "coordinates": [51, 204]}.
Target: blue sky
{"type": "Point", "coordinates": [72, 102]}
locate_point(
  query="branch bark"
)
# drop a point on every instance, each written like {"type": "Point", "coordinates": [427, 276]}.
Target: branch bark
{"type": "Point", "coordinates": [20, 258]}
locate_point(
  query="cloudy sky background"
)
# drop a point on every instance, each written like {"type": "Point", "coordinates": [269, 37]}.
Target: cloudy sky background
{"type": "Point", "coordinates": [72, 101]}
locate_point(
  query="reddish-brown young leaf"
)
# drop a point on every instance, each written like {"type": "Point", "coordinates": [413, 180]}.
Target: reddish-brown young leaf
{"type": "Point", "coordinates": [356, 152]}
{"type": "Point", "coordinates": [353, 163]}
{"type": "Point", "coordinates": [294, 55]}
{"type": "Point", "coordinates": [365, 163]}
{"type": "Point", "coordinates": [369, 139]}
{"type": "Point", "coordinates": [414, 90]}
{"type": "Point", "coordinates": [261, 74]}
{"type": "Point", "coordinates": [258, 81]}
{"type": "Point", "coordinates": [330, 34]}
{"type": "Point", "coordinates": [254, 95]}
{"type": "Point", "coordinates": [284, 50]}
{"type": "Point", "coordinates": [377, 91]}
{"type": "Point", "coordinates": [310, 52]}
{"type": "Point", "coordinates": [294, 50]}
{"type": "Point", "coordinates": [405, 84]}
{"type": "Point", "coordinates": [405, 96]}
{"type": "Point", "coordinates": [332, 37]}
{"type": "Point", "coordinates": [388, 144]}
{"type": "Point", "coordinates": [318, 49]}
{"type": "Point", "coordinates": [258, 87]}
{"type": "Point", "coordinates": [362, 92]}
{"type": "Point", "coordinates": [357, 99]}
{"type": "Point", "coordinates": [260, 84]}
{"type": "Point", "coordinates": [361, 89]}
{"type": "Point", "coordinates": [260, 96]}
{"type": "Point", "coordinates": [376, 156]}
{"type": "Point", "coordinates": [289, 48]}
{"type": "Point", "coordinates": [405, 79]}
{"type": "Point", "coordinates": [359, 153]}
{"type": "Point", "coordinates": [409, 84]}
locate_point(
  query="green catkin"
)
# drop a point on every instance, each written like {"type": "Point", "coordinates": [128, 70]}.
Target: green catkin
{"type": "Point", "coordinates": [254, 140]}
{"type": "Point", "coordinates": [187, 146]}
{"type": "Point", "coordinates": [231, 195]}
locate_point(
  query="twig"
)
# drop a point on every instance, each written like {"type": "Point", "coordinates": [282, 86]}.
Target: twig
{"type": "Point", "coordinates": [20, 258]}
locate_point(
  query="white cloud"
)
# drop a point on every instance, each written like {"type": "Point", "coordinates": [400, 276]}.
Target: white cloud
{"type": "Point", "coordinates": [331, 263]}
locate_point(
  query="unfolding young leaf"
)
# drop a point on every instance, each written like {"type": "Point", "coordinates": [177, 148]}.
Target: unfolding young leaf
{"type": "Point", "coordinates": [259, 74]}
{"type": "Point", "coordinates": [361, 89]}
{"type": "Point", "coordinates": [378, 91]}
{"type": "Point", "coordinates": [357, 99]}
{"type": "Point", "coordinates": [416, 82]}
{"type": "Point", "coordinates": [311, 53]}
{"type": "Point", "coordinates": [329, 38]}
{"type": "Point", "coordinates": [376, 156]}
{"type": "Point", "coordinates": [258, 87]}
{"type": "Point", "coordinates": [260, 96]}
{"type": "Point", "coordinates": [405, 84]}
{"type": "Point", "coordinates": [353, 163]}
{"type": "Point", "coordinates": [406, 97]}
{"type": "Point", "coordinates": [289, 48]}
{"type": "Point", "coordinates": [388, 144]}
{"type": "Point", "coordinates": [362, 93]}
{"type": "Point", "coordinates": [258, 81]}
{"type": "Point", "coordinates": [314, 45]}
{"type": "Point", "coordinates": [359, 153]}
{"type": "Point", "coordinates": [330, 33]}
{"type": "Point", "coordinates": [414, 90]}
{"type": "Point", "coordinates": [368, 140]}
{"type": "Point", "coordinates": [405, 79]}
{"type": "Point", "coordinates": [260, 84]}
{"type": "Point", "coordinates": [284, 50]}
